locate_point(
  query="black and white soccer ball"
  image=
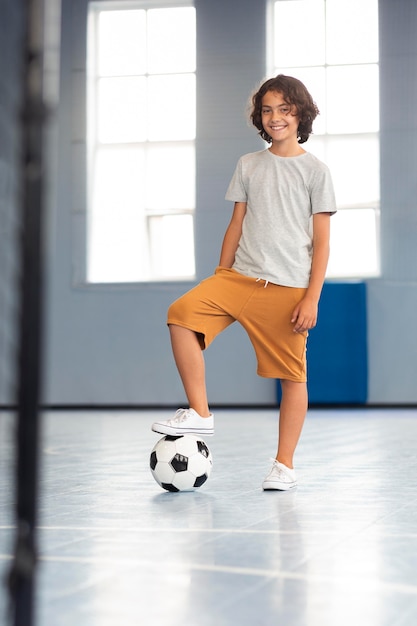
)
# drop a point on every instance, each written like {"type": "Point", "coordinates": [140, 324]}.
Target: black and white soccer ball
{"type": "Point", "coordinates": [181, 463]}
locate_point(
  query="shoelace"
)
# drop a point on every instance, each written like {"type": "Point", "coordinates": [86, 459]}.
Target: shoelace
{"type": "Point", "coordinates": [282, 474]}
{"type": "Point", "coordinates": [180, 416]}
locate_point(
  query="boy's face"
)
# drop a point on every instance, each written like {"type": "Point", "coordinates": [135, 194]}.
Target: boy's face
{"type": "Point", "coordinates": [279, 119]}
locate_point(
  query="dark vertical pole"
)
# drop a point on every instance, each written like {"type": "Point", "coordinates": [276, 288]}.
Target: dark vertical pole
{"type": "Point", "coordinates": [23, 570]}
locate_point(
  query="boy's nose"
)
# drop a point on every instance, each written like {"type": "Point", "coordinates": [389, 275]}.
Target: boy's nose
{"type": "Point", "coordinates": [277, 114]}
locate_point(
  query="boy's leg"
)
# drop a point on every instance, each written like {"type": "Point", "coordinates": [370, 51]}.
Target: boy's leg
{"type": "Point", "coordinates": [203, 307]}
{"type": "Point", "coordinates": [291, 419]}
{"type": "Point", "coordinates": [189, 360]}
{"type": "Point", "coordinates": [293, 410]}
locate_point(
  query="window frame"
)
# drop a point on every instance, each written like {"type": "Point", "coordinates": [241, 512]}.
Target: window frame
{"type": "Point", "coordinates": [81, 276]}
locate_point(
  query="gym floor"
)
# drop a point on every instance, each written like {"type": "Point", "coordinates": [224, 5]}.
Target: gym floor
{"type": "Point", "coordinates": [115, 549]}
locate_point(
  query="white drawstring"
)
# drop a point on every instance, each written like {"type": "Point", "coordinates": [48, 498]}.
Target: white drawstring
{"type": "Point", "coordinates": [266, 282]}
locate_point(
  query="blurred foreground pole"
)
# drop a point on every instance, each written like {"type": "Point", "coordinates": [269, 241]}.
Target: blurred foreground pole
{"type": "Point", "coordinates": [34, 118]}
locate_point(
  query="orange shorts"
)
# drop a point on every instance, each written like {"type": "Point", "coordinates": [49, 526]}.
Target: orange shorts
{"type": "Point", "coordinates": [264, 310]}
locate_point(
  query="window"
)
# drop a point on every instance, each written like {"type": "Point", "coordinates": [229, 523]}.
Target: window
{"type": "Point", "coordinates": [141, 142]}
{"type": "Point", "coordinates": [332, 46]}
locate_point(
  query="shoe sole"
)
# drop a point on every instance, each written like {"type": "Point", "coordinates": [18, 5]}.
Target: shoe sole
{"type": "Point", "coordinates": [175, 432]}
{"type": "Point", "coordinates": [274, 487]}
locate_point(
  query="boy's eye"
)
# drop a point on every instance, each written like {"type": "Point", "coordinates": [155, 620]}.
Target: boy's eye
{"type": "Point", "coordinates": [284, 110]}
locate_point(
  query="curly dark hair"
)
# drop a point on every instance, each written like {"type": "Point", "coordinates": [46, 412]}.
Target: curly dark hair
{"type": "Point", "coordinates": [295, 93]}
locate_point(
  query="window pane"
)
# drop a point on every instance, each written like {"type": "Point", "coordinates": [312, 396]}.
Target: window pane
{"type": "Point", "coordinates": [317, 146]}
{"type": "Point", "coordinates": [299, 33]}
{"type": "Point", "coordinates": [175, 167]}
{"type": "Point", "coordinates": [117, 249]}
{"type": "Point", "coordinates": [172, 246]}
{"type": "Point", "coordinates": [171, 40]}
{"type": "Point", "coordinates": [118, 183]}
{"type": "Point", "coordinates": [121, 109]}
{"type": "Point", "coordinates": [171, 107]}
{"type": "Point", "coordinates": [352, 31]}
{"type": "Point", "coordinates": [354, 164]}
{"type": "Point", "coordinates": [353, 99]}
{"type": "Point", "coordinates": [121, 48]}
{"type": "Point", "coordinates": [353, 244]}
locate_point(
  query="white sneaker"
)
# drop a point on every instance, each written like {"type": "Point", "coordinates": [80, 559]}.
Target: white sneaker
{"type": "Point", "coordinates": [185, 421]}
{"type": "Point", "coordinates": [280, 478]}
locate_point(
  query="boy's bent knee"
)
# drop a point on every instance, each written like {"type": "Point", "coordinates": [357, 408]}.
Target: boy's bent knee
{"type": "Point", "coordinates": [171, 313]}
{"type": "Point", "coordinates": [177, 311]}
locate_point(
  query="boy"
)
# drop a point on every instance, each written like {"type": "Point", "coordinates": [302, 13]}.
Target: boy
{"type": "Point", "coordinates": [271, 270]}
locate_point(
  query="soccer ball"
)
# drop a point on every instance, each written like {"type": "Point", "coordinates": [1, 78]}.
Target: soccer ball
{"type": "Point", "coordinates": [181, 463]}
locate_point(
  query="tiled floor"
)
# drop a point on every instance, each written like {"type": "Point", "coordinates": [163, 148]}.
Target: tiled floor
{"type": "Point", "coordinates": [116, 550]}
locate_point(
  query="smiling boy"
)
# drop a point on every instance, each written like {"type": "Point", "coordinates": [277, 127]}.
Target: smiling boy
{"type": "Point", "coordinates": [270, 274]}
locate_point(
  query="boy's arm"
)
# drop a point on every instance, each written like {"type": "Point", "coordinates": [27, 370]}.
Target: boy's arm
{"type": "Point", "coordinates": [305, 313]}
{"type": "Point", "coordinates": [232, 235]}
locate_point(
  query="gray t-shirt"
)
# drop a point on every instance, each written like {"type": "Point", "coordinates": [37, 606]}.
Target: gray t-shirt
{"type": "Point", "coordinates": [281, 193]}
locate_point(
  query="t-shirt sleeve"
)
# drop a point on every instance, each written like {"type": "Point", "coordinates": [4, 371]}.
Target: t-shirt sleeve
{"type": "Point", "coordinates": [236, 192]}
{"type": "Point", "coordinates": [322, 192]}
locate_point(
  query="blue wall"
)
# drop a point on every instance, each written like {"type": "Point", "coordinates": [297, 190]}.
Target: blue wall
{"type": "Point", "coordinates": [337, 348]}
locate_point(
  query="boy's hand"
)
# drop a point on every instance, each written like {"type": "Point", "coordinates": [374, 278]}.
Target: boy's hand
{"type": "Point", "coordinates": [304, 316]}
